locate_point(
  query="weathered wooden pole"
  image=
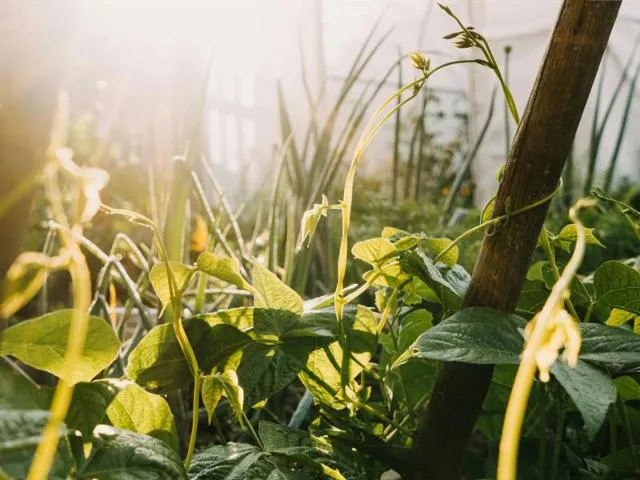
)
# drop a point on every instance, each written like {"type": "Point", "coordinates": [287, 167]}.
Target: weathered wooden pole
{"type": "Point", "coordinates": [532, 172]}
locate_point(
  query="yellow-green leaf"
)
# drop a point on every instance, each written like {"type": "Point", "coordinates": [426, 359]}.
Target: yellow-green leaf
{"type": "Point", "coordinates": [42, 342]}
{"type": "Point", "coordinates": [619, 317]}
{"type": "Point", "coordinates": [373, 250]}
{"type": "Point", "coordinates": [437, 245]}
{"type": "Point", "coordinates": [137, 410]}
{"type": "Point", "coordinates": [271, 292]}
{"type": "Point", "coordinates": [568, 236]}
{"type": "Point", "coordinates": [224, 268]}
{"type": "Point", "coordinates": [160, 279]}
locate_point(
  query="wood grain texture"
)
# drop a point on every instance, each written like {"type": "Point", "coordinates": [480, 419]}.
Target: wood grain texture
{"type": "Point", "coordinates": [533, 171]}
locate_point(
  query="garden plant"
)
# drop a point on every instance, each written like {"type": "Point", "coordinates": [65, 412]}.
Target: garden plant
{"type": "Point", "coordinates": [191, 353]}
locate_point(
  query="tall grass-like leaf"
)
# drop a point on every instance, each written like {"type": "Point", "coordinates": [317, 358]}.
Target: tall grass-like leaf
{"type": "Point", "coordinates": [623, 128]}
{"type": "Point", "coordinates": [396, 139]}
{"type": "Point", "coordinates": [597, 129]}
{"type": "Point", "coordinates": [294, 166]}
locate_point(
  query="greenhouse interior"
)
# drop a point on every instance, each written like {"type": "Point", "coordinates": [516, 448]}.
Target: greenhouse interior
{"type": "Point", "coordinates": [319, 239]}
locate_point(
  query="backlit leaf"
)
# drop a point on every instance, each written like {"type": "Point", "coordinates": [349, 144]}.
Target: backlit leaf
{"type": "Point", "coordinates": [273, 293]}
{"type": "Point", "coordinates": [140, 411]}
{"type": "Point", "coordinates": [159, 278]}
{"type": "Point", "coordinates": [223, 268]}
{"type": "Point", "coordinates": [618, 286]}
{"type": "Point", "coordinates": [41, 343]}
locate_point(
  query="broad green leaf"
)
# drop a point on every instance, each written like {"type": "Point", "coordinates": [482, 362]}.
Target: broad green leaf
{"type": "Point", "coordinates": [569, 234]}
{"type": "Point", "coordinates": [474, 335]}
{"type": "Point", "coordinates": [276, 437]}
{"type": "Point", "coordinates": [414, 382]}
{"type": "Point", "coordinates": [323, 365]}
{"type": "Point", "coordinates": [628, 388]}
{"type": "Point", "coordinates": [20, 432]}
{"type": "Point", "coordinates": [159, 278]}
{"type": "Point", "coordinates": [533, 295]}
{"type": "Point", "coordinates": [618, 286]}
{"type": "Point", "coordinates": [224, 462]}
{"type": "Point", "coordinates": [241, 317]}
{"type": "Point", "coordinates": [223, 268]}
{"type": "Point", "coordinates": [619, 317]}
{"type": "Point", "coordinates": [591, 390]}
{"type": "Point", "coordinates": [437, 245]}
{"type": "Point", "coordinates": [273, 293]}
{"type": "Point", "coordinates": [139, 411]}
{"type": "Point", "coordinates": [89, 404]}
{"type": "Point", "coordinates": [42, 342]}
{"type": "Point", "coordinates": [267, 369]}
{"type": "Point", "coordinates": [449, 284]}
{"type": "Point", "coordinates": [158, 363]}
{"type": "Point", "coordinates": [374, 250]}
{"type": "Point", "coordinates": [609, 345]}
{"type": "Point", "coordinates": [123, 455]}
{"type": "Point", "coordinates": [414, 325]}
{"type": "Point", "coordinates": [18, 392]}
{"type": "Point", "coordinates": [274, 322]}
{"type": "Point", "coordinates": [222, 384]}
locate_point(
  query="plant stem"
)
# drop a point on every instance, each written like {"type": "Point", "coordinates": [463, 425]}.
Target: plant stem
{"type": "Point", "coordinates": [516, 408]}
{"type": "Point", "coordinates": [194, 421]}
{"type": "Point", "coordinates": [81, 281]}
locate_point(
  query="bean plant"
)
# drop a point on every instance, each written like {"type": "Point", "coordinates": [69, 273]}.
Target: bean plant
{"type": "Point", "coordinates": [133, 398]}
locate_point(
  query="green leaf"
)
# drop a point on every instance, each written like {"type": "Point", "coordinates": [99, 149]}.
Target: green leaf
{"type": "Point", "coordinates": [158, 364]}
{"type": "Point", "coordinates": [224, 462]}
{"type": "Point", "coordinates": [274, 322]}
{"type": "Point", "coordinates": [437, 245]}
{"type": "Point", "coordinates": [533, 295]}
{"type": "Point", "coordinates": [414, 325]}
{"type": "Point", "coordinates": [272, 293]}
{"type": "Point", "coordinates": [123, 455]}
{"type": "Point", "coordinates": [216, 385]}
{"type": "Point", "coordinates": [139, 411]}
{"type": "Point", "coordinates": [42, 342]}
{"type": "Point", "coordinates": [591, 390]}
{"type": "Point", "coordinates": [267, 369]}
{"type": "Point", "coordinates": [413, 381]}
{"type": "Point", "coordinates": [89, 404]}
{"type": "Point", "coordinates": [474, 335]}
{"type": "Point", "coordinates": [373, 250]}
{"type": "Point", "coordinates": [323, 372]}
{"type": "Point", "coordinates": [276, 437]}
{"type": "Point", "coordinates": [618, 286]}
{"type": "Point", "coordinates": [18, 392]}
{"type": "Point", "coordinates": [628, 389]}
{"type": "Point", "coordinates": [569, 235]}
{"type": "Point", "coordinates": [223, 268]}
{"type": "Point", "coordinates": [159, 278]}
{"type": "Point", "coordinates": [609, 345]}
{"type": "Point", "coordinates": [619, 317]}
{"type": "Point", "coordinates": [449, 284]}
{"type": "Point", "coordinates": [20, 432]}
